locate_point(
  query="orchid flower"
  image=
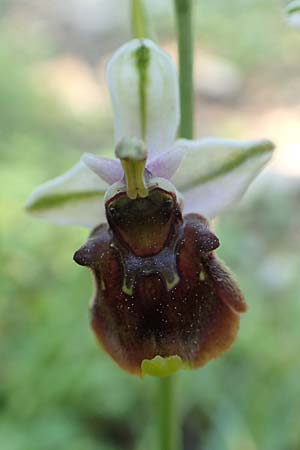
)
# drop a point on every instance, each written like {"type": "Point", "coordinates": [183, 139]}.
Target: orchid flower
{"type": "Point", "coordinates": [163, 300]}
{"type": "Point", "coordinates": [211, 173]}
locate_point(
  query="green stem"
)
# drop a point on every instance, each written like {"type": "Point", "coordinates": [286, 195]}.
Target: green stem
{"type": "Point", "coordinates": [139, 22]}
{"type": "Point", "coordinates": [183, 9]}
{"type": "Point", "coordinates": [168, 437]}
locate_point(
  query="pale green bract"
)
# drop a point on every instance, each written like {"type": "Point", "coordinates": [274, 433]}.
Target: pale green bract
{"type": "Point", "coordinates": [211, 173]}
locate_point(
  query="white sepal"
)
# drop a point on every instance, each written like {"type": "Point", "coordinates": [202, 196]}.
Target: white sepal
{"type": "Point", "coordinates": [144, 91]}
{"type": "Point", "coordinates": [75, 198]}
{"type": "Point", "coordinates": [215, 173]}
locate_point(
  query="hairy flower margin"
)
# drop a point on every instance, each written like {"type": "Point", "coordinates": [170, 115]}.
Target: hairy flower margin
{"type": "Point", "coordinates": [211, 175]}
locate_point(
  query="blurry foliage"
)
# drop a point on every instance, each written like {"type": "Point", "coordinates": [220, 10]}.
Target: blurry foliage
{"type": "Point", "coordinates": [251, 33]}
{"type": "Point", "coordinates": [258, 30]}
{"type": "Point", "coordinates": [57, 389]}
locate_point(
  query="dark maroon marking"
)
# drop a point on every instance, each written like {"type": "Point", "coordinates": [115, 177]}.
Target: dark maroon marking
{"type": "Point", "coordinates": [197, 318]}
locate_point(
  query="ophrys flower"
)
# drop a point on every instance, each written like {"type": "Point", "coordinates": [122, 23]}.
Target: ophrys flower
{"type": "Point", "coordinates": [160, 289]}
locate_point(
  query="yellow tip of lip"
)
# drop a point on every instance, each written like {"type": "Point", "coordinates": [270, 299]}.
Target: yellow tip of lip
{"type": "Point", "coordinates": [162, 367]}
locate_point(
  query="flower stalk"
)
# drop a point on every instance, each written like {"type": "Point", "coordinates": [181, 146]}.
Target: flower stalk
{"type": "Point", "coordinates": [139, 22]}
{"type": "Point", "coordinates": [167, 417]}
{"type": "Point", "coordinates": [183, 11]}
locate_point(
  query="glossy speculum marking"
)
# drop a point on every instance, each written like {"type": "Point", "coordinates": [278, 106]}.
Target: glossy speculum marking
{"type": "Point", "coordinates": [160, 290]}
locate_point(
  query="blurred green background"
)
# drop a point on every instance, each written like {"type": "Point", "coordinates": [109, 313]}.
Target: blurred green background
{"type": "Point", "coordinates": [57, 388]}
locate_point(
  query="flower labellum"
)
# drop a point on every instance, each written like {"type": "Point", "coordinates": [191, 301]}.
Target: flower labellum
{"type": "Point", "coordinates": [160, 289]}
{"type": "Point", "coordinates": [163, 300]}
